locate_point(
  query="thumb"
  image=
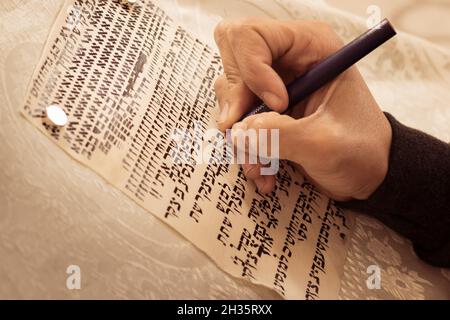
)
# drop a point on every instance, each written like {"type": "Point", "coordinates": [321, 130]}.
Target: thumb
{"type": "Point", "coordinates": [255, 66]}
{"type": "Point", "coordinates": [264, 82]}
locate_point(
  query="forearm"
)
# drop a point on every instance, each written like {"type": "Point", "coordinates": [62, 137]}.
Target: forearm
{"type": "Point", "coordinates": [414, 198]}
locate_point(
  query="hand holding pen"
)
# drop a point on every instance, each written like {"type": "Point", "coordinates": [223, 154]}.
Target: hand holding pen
{"type": "Point", "coordinates": [337, 135]}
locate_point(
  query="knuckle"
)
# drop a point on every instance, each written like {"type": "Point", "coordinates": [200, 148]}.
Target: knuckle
{"type": "Point", "coordinates": [219, 84]}
{"type": "Point", "coordinates": [262, 121]}
{"type": "Point", "coordinates": [233, 77]}
{"type": "Point", "coordinates": [326, 30]}
{"type": "Point", "coordinates": [220, 31]}
{"type": "Point", "coordinates": [234, 35]}
{"type": "Point", "coordinates": [251, 171]}
{"type": "Point", "coordinates": [249, 23]}
{"type": "Point", "coordinates": [243, 23]}
{"type": "Point", "coordinates": [321, 35]}
{"type": "Point", "coordinates": [239, 29]}
{"type": "Point", "coordinates": [259, 123]}
{"type": "Point", "coordinates": [250, 75]}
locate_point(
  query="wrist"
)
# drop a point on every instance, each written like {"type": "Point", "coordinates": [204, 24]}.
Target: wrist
{"type": "Point", "coordinates": [379, 163]}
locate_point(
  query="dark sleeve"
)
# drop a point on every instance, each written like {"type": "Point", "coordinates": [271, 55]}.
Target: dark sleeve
{"type": "Point", "coordinates": [414, 198]}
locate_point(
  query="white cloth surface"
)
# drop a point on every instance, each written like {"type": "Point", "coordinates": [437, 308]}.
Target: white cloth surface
{"type": "Point", "coordinates": [55, 212]}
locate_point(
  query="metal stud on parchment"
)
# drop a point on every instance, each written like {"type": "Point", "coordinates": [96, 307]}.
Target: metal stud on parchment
{"type": "Point", "coordinates": [56, 115]}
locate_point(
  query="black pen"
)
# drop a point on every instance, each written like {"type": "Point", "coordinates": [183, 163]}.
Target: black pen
{"type": "Point", "coordinates": [334, 65]}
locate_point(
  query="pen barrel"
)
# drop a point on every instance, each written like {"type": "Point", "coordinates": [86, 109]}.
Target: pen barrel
{"type": "Point", "coordinates": [332, 66]}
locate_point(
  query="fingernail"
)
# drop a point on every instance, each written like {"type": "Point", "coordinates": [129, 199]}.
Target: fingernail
{"type": "Point", "coordinates": [249, 170]}
{"type": "Point", "coordinates": [260, 183]}
{"type": "Point", "coordinates": [271, 99]}
{"type": "Point", "coordinates": [239, 125]}
{"type": "Point", "coordinates": [223, 114]}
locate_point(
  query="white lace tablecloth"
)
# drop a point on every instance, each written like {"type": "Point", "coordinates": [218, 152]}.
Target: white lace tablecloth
{"type": "Point", "coordinates": [55, 212]}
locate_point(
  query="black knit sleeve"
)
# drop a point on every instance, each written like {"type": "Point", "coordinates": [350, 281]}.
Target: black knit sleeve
{"type": "Point", "coordinates": [414, 198]}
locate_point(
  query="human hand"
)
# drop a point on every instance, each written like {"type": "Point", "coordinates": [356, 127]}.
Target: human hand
{"type": "Point", "coordinates": [338, 137]}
